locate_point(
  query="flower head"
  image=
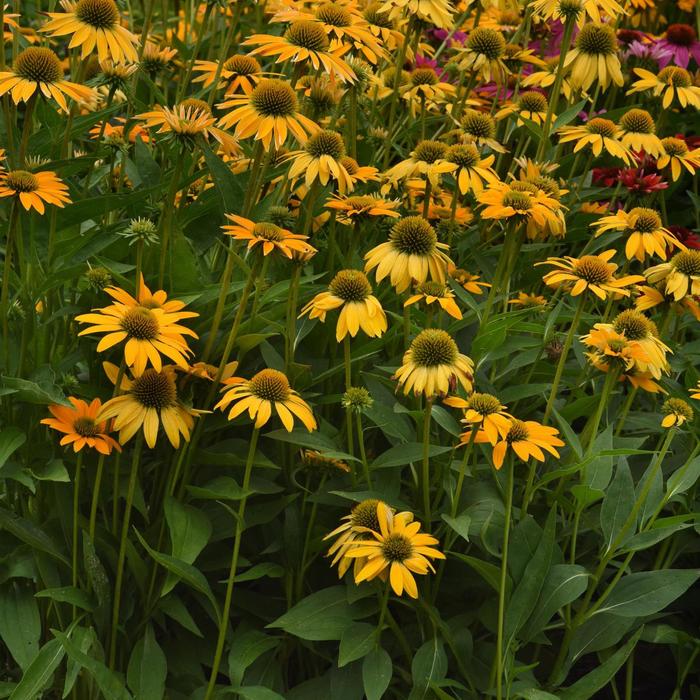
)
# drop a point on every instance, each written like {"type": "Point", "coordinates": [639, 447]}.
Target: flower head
{"type": "Point", "coordinates": [675, 412]}
{"type": "Point", "coordinates": [81, 427]}
{"type": "Point", "coordinates": [34, 190]}
{"type": "Point", "coordinates": [267, 235]}
{"type": "Point", "coordinates": [527, 439]}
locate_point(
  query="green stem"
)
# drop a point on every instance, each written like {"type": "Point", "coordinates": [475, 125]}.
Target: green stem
{"type": "Point", "coordinates": [427, 414]}
{"type": "Point", "coordinates": [7, 271]}
{"type": "Point", "coordinates": [96, 496]}
{"type": "Point", "coordinates": [240, 526]}
{"type": "Point", "coordinates": [383, 609]}
{"type": "Point", "coordinates": [76, 518]}
{"type": "Point", "coordinates": [363, 453]}
{"type": "Point", "coordinates": [27, 129]}
{"type": "Point", "coordinates": [135, 461]}
{"type": "Point", "coordinates": [166, 216]}
{"type": "Point", "coordinates": [291, 318]}
{"type": "Point", "coordinates": [347, 362]}
{"type": "Point", "coordinates": [462, 472]}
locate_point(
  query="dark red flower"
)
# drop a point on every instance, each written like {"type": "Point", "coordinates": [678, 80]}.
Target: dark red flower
{"type": "Point", "coordinates": [637, 181]}
{"type": "Point", "coordinates": [687, 237]}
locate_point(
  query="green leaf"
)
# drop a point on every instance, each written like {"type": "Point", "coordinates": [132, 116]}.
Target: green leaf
{"type": "Point", "coordinates": [356, 641]}
{"type": "Point", "coordinates": [535, 694]}
{"type": "Point", "coordinates": [190, 530]}
{"type": "Point", "coordinates": [246, 647]}
{"type": "Point", "coordinates": [222, 488]}
{"type": "Point", "coordinates": [20, 623]}
{"type": "Point", "coordinates": [107, 681]}
{"type": "Point", "coordinates": [148, 668]}
{"type": "Point", "coordinates": [683, 478]}
{"type": "Point", "coordinates": [564, 584]}
{"type": "Point", "coordinates": [648, 592]}
{"type": "Point", "coordinates": [528, 589]}
{"type": "Point", "coordinates": [400, 455]}
{"type": "Point", "coordinates": [592, 682]}
{"type": "Point", "coordinates": [258, 692]}
{"type": "Point", "coordinates": [42, 390]}
{"type": "Point", "coordinates": [40, 672]}
{"type": "Point", "coordinates": [597, 633]}
{"type": "Point", "coordinates": [459, 524]}
{"type": "Point", "coordinates": [568, 115]}
{"type": "Point", "coordinates": [175, 608]}
{"type": "Point", "coordinates": [644, 540]}
{"type": "Point", "coordinates": [322, 616]}
{"type": "Point", "coordinates": [30, 534]}
{"type": "Point", "coordinates": [70, 595]}
{"type": "Point", "coordinates": [11, 439]}
{"type": "Point", "coordinates": [265, 568]}
{"type": "Point", "coordinates": [617, 504]}
{"type": "Point", "coordinates": [429, 666]}
{"type": "Point", "coordinates": [228, 185]}
{"type": "Point", "coordinates": [570, 436]}
{"type": "Point", "coordinates": [489, 572]}
{"type": "Point", "coordinates": [377, 671]}
{"type": "Point", "coordinates": [54, 470]}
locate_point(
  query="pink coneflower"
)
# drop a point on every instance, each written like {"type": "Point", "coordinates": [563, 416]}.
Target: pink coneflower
{"type": "Point", "coordinates": [682, 41]}
{"type": "Point", "coordinates": [426, 62]}
{"type": "Point", "coordinates": [440, 35]}
{"type": "Point", "coordinates": [648, 52]}
{"type": "Point", "coordinates": [687, 237]}
{"type": "Point", "coordinates": [605, 177]}
{"type": "Point", "coordinates": [635, 180]}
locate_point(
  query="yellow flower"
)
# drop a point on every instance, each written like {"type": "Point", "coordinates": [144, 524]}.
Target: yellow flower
{"type": "Point", "coordinates": [94, 23]}
{"type": "Point", "coordinates": [594, 57]}
{"type": "Point", "coordinates": [480, 127]}
{"type": "Point", "coordinates": [34, 189]}
{"type": "Point", "coordinates": [591, 272]}
{"type": "Point", "coordinates": [431, 292]}
{"type": "Point", "coordinates": [437, 12]}
{"type": "Point", "coordinates": [676, 412]}
{"type": "Point", "coordinates": [672, 82]}
{"type": "Point", "coordinates": [427, 159]}
{"type": "Point", "coordinates": [472, 171]}
{"type": "Point", "coordinates": [80, 426]}
{"type": "Point", "coordinates": [147, 330]}
{"type": "Point", "coordinates": [638, 132]}
{"type": "Point", "coordinates": [398, 551]}
{"type": "Point", "coordinates": [528, 439]}
{"type": "Point", "coordinates": [240, 73]}
{"type": "Point", "coordinates": [411, 253]}
{"type": "Point", "coordinates": [38, 71]}
{"type": "Point", "coordinates": [321, 159]}
{"type": "Point", "coordinates": [471, 283]}
{"type": "Point", "coordinates": [521, 200]}
{"type": "Point", "coordinates": [433, 365]}
{"type": "Point", "coordinates": [677, 155]}
{"type": "Point", "coordinates": [483, 53]}
{"type": "Point", "coordinates": [267, 390]}
{"type": "Point", "coordinates": [644, 231]}
{"type": "Point", "coordinates": [561, 9]}
{"type": "Point", "coordinates": [305, 41]}
{"type": "Point", "coordinates": [268, 113]}
{"type": "Point", "coordinates": [155, 57]}
{"type": "Point", "coordinates": [482, 412]}
{"type": "Point", "coordinates": [529, 301]}
{"type": "Point", "coordinates": [531, 105]}
{"type": "Point", "coordinates": [695, 391]}
{"type": "Point", "coordinates": [424, 86]}
{"type": "Point", "coordinates": [352, 210]}
{"type": "Point", "coordinates": [270, 236]}
{"type": "Point", "coordinates": [680, 275]}
{"type": "Point", "coordinates": [147, 402]}
{"type": "Point", "coordinates": [598, 134]}
{"type": "Point", "coordinates": [350, 290]}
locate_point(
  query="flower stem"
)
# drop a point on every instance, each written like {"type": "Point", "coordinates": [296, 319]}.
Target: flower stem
{"type": "Point", "coordinates": [96, 496]}
{"type": "Point", "coordinates": [7, 271]}
{"type": "Point", "coordinates": [363, 452]}
{"type": "Point", "coordinates": [166, 216]}
{"type": "Point", "coordinates": [291, 318]}
{"type": "Point", "coordinates": [240, 526]}
{"type": "Point", "coordinates": [135, 461]}
{"type": "Point", "coordinates": [347, 361]}
{"type": "Point", "coordinates": [76, 516]}
{"type": "Point", "coordinates": [427, 414]}
{"type": "Point", "coordinates": [462, 472]}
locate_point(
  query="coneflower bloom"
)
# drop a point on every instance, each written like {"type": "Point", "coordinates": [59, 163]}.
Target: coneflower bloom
{"type": "Point", "coordinates": [483, 413]}
{"type": "Point", "coordinates": [545, 78]}
{"type": "Point", "coordinates": [527, 439]}
{"type": "Point", "coordinates": [359, 173]}
{"type": "Point", "coordinates": [520, 200]}
{"type": "Point", "coordinates": [529, 301]}
{"type": "Point", "coordinates": [362, 207]}
{"type": "Point", "coordinates": [148, 401]}
{"type": "Point", "coordinates": [594, 273]}
{"type": "Point", "coordinates": [267, 235]}
{"type": "Point", "coordinates": [423, 85]}
{"type": "Point", "coordinates": [594, 57]}
{"type": "Point", "coordinates": [677, 156]}
{"type": "Point", "coordinates": [411, 253]}
{"type": "Point", "coordinates": [680, 276]}
{"type": "Point", "coordinates": [473, 171]}
{"type": "Point", "coordinates": [480, 127]}
{"type": "Point", "coordinates": [469, 282]}
{"type": "Point", "coordinates": [435, 293]}
{"type": "Point", "coordinates": [305, 41]}
{"type": "Point", "coordinates": [351, 292]}
{"type": "Point", "coordinates": [147, 331]}
{"type": "Point", "coordinates": [398, 551]}
{"type": "Point", "coordinates": [34, 190]}
{"type": "Point", "coordinates": [646, 236]}
{"type": "Point", "coordinates": [695, 391]}
{"type": "Point", "coordinates": [267, 390]}
{"type": "Point", "coordinates": [94, 23]}
{"type": "Point", "coordinates": [240, 73]}
{"type": "Point", "coordinates": [483, 53]}
{"type": "Point", "coordinates": [672, 83]}
{"type": "Point", "coordinates": [599, 135]}
{"type": "Point", "coordinates": [681, 44]}
{"type": "Point", "coordinates": [638, 132]}
{"type": "Point", "coordinates": [561, 10]}
{"type": "Point", "coordinates": [156, 58]}
{"type": "Point", "coordinates": [427, 159]}
{"type": "Point", "coordinates": [676, 412]}
{"type": "Point", "coordinates": [81, 427]}
{"type": "Point", "coordinates": [531, 105]}
{"type": "Point", "coordinates": [38, 70]}
{"type": "Point", "coordinates": [433, 365]}
{"type": "Point", "coordinates": [321, 159]}
{"type": "Point", "coordinates": [436, 12]}
{"type": "Point", "coordinates": [268, 113]}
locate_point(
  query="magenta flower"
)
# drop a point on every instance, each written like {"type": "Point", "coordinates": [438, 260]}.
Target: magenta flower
{"type": "Point", "coordinates": [682, 43]}
{"type": "Point", "coordinates": [655, 52]}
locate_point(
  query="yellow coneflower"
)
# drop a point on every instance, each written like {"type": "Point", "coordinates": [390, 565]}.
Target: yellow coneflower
{"type": "Point", "coordinates": [646, 236]}
{"type": "Point", "coordinates": [519, 200]}
{"type": "Point", "coordinates": [34, 190]}
{"type": "Point", "coordinates": [695, 391]}
{"type": "Point", "coordinates": [677, 155]}
{"type": "Point", "coordinates": [638, 132]}
{"type": "Point", "coordinates": [435, 292]}
{"type": "Point", "coordinates": [147, 331]}
{"type": "Point", "coordinates": [187, 121]}
{"type": "Point", "coordinates": [427, 159]}
{"type": "Point", "coordinates": [433, 365]}
{"type": "Point", "coordinates": [398, 551]}
{"type": "Point", "coordinates": [529, 301]}
{"type": "Point", "coordinates": [94, 23]}
{"type": "Point", "coordinates": [382, 26]}
{"type": "Point", "coordinates": [116, 134]}
{"type": "Point", "coordinates": [268, 235]}
{"type": "Point", "coordinates": [424, 85]}
{"type": "Point", "coordinates": [599, 135]}
{"type": "Point", "coordinates": [411, 253]}
{"type": "Point", "coordinates": [675, 412]}
{"type": "Point", "coordinates": [268, 113]}
{"type": "Point", "coordinates": [545, 78]}
{"type": "Point", "coordinates": [562, 9]}
{"type": "Point", "coordinates": [591, 272]}
{"type": "Point", "coordinates": [436, 12]}
{"type": "Point", "coordinates": [316, 462]}
{"type": "Point", "coordinates": [156, 58]}
{"type": "Point", "coordinates": [531, 105]}
{"type": "Point", "coordinates": [650, 297]}
{"type": "Point", "coordinates": [594, 57]}
{"type": "Point", "coordinates": [38, 71]}
{"type": "Point", "coordinates": [321, 159]}
{"type": "Point", "coordinates": [361, 207]}
{"type": "Point", "coordinates": [672, 82]}
{"type": "Point", "coordinates": [528, 439]}
{"type": "Point", "coordinates": [267, 390]}
{"type": "Point", "coordinates": [483, 53]}
{"type": "Point", "coordinates": [473, 171]}
{"type": "Point", "coordinates": [480, 127]}
{"type": "Point", "coordinates": [305, 41]}
{"type": "Point", "coordinates": [81, 427]}
{"type": "Point", "coordinates": [351, 292]}
{"type": "Point", "coordinates": [680, 276]}
{"type": "Point", "coordinates": [240, 73]}
{"type": "Point", "coordinates": [148, 401]}
{"type": "Point", "coordinates": [471, 283]}
{"type": "Point", "coordinates": [359, 173]}
{"type": "Point", "coordinates": [482, 412]}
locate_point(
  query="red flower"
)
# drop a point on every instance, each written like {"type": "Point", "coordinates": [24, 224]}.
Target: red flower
{"type": "Point", "coordinates": [636, 181]}
{"type": "Point", "coordinates": [687, 237]}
